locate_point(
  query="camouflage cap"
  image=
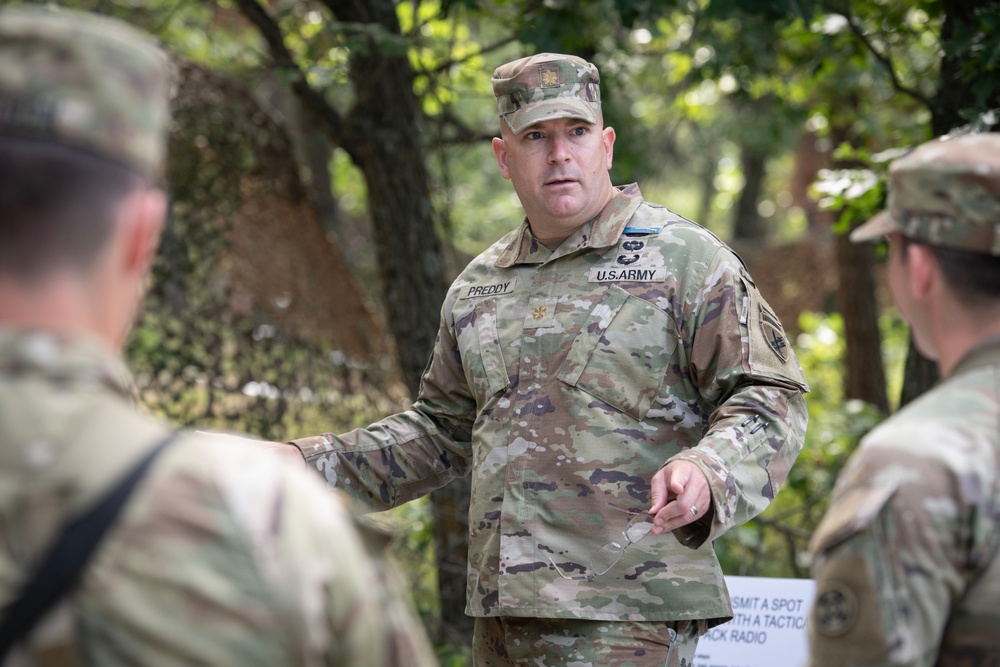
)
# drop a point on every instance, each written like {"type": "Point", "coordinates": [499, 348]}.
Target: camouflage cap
{"type": "Point", "coordinates": [85, 81]}
{"type": "Point", "coordinates": [945, 192]}
{"type": "Point", "coordinates": [547, 86]}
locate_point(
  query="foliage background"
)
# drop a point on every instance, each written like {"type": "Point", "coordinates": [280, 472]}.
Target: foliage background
{"type": "Point", "coordinates": [297, 283]}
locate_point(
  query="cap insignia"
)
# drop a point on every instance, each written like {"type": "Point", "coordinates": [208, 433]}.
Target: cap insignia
{"type": "Point", "coordinates": [549, 76]}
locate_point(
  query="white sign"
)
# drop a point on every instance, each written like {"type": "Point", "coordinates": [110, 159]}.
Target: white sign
{"type": "Point", "coordinates": [768, 627]}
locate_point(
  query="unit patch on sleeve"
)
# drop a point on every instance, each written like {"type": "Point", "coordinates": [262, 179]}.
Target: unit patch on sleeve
{"type": "Point", "coordinates": [769, 347]}
{"type": "Point", "coordinates": [836, 610]}
{"type": "Point", "coordinates": [774, 335]}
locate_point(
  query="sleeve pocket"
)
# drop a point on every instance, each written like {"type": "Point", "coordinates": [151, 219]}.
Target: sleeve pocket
{"type": "Point", "coordinates": [482, 354]}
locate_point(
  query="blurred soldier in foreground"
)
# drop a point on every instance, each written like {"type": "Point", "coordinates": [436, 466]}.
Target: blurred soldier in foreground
{"type": "Point", "coordinates": [221, 555]}
{"type": "Point", "coordinates": [907, 558]}
{"type": "Point", "coordinates": [616, 386]}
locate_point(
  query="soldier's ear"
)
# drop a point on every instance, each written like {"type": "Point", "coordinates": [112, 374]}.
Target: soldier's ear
{"type": "Point", "coordinates": [608, 137]}
{"type": "Point", "coordinates": [922, 269]}
{"type": "Point", "coordinates": [500, 150]}
{"type": "Point", "coordinates": [143, 215]}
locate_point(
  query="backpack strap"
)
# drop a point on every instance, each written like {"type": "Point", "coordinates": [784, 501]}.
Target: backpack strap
{"type": "Point", "coordinates": [62, 565]}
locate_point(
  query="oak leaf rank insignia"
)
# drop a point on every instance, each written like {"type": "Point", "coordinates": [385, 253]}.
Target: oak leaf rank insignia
{"type": "Point", "coordinates": [549, 76]}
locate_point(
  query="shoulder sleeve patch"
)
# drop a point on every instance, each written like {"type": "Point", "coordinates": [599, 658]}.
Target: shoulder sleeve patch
{"type": "Point", "coordinates": [770, 351]}
{"type": "Point", "coordinates": [845, 623]}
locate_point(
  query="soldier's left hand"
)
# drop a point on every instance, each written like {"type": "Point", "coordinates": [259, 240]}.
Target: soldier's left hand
{"type": "Point", "coordinates": [681, 495]}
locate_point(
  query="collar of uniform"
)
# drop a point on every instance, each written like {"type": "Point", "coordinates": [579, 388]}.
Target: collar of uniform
{"type": "Point", "coordinates": [984, 353]}
{"type": "Point", "coordinates": [602, 231]}
{"type": "Point", "coordinates": [62, 358]}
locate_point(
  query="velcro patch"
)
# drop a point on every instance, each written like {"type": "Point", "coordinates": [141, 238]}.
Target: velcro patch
{"type": "Point", "coordinates": [635, 274]}
{"type": "Point", "coordinates": [478, 291]}
{"type": "Point", "coordinates": [770, 349]}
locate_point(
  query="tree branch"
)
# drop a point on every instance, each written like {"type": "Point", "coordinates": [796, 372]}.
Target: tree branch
{"type": "Point", "coordinates": [489, 48]}
{"type": "Point", "coordinates": [883, 58]}
{"type": "Point", "coordinates": [463, 134]}
{"type": "Point", "coordinates": [283, 59]}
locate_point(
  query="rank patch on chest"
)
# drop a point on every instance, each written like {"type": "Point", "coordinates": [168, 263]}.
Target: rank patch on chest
{"type": "Point", "coordinates": [477, 291]}
{"type": "Point", "coordinates": [634, 274]}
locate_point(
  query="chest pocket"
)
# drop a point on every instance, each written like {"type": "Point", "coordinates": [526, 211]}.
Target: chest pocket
{"type": "Point", "coordinates": [622, 353]}
{"type": "Point", "coordinates": [482, 355]}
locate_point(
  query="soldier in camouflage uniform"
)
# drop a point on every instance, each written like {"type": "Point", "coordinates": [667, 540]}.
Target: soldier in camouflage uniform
{"type": "Point", "coordinates": [616, 386]}
{"type": "Point", "coordinates": [224, 555]}
{"type": "Point", "coordinates": [907, 558]}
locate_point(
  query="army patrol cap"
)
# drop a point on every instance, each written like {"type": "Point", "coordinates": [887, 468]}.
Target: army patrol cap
{"type": "Point", "coordinates": [547, 86]}
{"type": "Point", "coordinates": [946, 193]}
{"type": "Point", "coordinates": [84, 81]}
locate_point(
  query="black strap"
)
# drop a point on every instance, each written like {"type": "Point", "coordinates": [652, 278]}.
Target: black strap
{"type": "Point", "coordinates": [60, 569]}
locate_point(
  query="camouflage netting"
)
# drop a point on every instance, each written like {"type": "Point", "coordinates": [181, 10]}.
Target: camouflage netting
{"type": "Point", "coordinates": [252, 322]}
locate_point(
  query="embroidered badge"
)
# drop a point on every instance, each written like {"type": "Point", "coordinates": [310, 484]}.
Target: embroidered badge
{"type": "Point", "coordinates": [549, 76]}
{"type": "Point", "coordinates": [774, 335]}
{"type": "Point", "coordinates": [633, 245]}
{"type": "Point", "coordinates": [836, 610]}
{"type": "Point", "coordinates": [474, 291]}
{"type": "Point", "coordinates": [628, 259]}
{"type": "Point", "coordinates": [539, 312]}
{"type": "Point", "coordinates": [634, 274]}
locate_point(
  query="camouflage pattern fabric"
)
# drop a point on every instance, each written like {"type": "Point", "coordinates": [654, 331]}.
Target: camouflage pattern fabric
{"type": "Point", "coordinates": [86, 81]}
{"type": "Point", "coordinates": [562, 381]}
{"type": "Point", "coordinates": [907, 559]}
{"type": "Point", "coordinates": [546, 86]}
{"type": "Point", "coordinates": [224, 556]}
{"type": "Point", "coordinates": [945, 193]}
{"type": "Point", "coordinates": [548, 642]}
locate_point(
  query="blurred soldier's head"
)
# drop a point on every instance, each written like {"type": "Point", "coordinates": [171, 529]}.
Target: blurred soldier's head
{"type": "Point", "coordinates": [83, 122]}
{"type": "Point", "coordinates": [943, 221]}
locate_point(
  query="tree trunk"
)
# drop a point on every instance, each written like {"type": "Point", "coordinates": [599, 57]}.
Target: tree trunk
{"type": "Point", "coordinates": [747, 224]}
{"type": "Point", "coordinates": [382, 135]}
{"type": "Point", "coordinates": [387, 147]}
{"type": "Point", "coordinates": [864, 377]}
{"type": "Point", "coordinates": [864, 372]}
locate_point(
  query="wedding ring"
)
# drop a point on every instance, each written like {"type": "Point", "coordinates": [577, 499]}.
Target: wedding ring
{"type": "Point", "coordinates": [694, 510]}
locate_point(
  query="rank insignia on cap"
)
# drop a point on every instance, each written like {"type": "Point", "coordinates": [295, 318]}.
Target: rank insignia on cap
{"type": "Point", "coordinates": [836, 610]}
{"type": "Point", "coordinates": [774, 335]}
{"type": "Point", "coordinates": [549, 76]}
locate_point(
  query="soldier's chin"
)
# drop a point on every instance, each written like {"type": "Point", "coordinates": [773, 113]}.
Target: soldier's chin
{"type": "Point", "coordinates": [925, 347]}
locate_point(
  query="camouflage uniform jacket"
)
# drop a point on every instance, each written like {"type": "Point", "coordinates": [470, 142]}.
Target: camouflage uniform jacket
{"type": "Point", "coordinates": [907, 558]}
{"type": "Point", "coordinates": [223, 556]}
{"type": "Point", "coordinates": [562, 381]}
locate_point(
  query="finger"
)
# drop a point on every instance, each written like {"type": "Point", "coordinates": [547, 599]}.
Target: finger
{"type": "Point", "coordinates": [670, 517]}
{"type": "Point", "coordinates": [683, 509]}
{"type": "Point", "coordinates": [679, 480]}
{"type": "Point", "coordinates": [658, 490]}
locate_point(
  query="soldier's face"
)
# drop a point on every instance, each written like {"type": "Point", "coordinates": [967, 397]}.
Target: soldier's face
{"type": "Point", "coordinates": [559, 169]}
